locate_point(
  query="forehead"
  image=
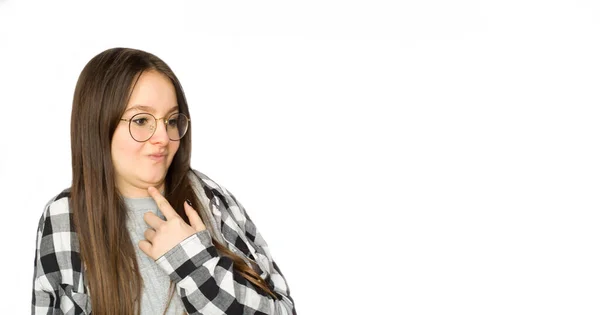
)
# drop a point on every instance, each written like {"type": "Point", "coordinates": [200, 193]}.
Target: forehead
{"type": "Point", "coordinates": [153, 92]}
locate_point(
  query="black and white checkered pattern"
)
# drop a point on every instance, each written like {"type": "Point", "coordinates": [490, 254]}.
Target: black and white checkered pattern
{"type": "Point", "coordinates": [205, 281]}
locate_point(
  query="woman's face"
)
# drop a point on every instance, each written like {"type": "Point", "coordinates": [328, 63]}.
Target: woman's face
{"type": "Point", "coordinates": [137, 165]}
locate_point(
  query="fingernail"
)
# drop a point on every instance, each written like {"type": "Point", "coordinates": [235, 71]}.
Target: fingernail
{"type": "Point", "coordinates": [188, 202]}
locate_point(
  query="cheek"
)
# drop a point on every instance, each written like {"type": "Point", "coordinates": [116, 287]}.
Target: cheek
{"type": "Point", "coordinates": [124, 149]}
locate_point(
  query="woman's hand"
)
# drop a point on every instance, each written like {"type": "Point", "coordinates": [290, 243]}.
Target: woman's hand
{"type": "Point", "coordinates": [164, 235]}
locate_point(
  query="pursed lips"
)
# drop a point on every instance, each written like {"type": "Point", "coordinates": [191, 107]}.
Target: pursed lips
{"type": "Point", "coordinates": [158, 156]}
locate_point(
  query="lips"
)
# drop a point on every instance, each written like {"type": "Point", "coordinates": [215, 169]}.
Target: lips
{"type": "Point", "coordinates": [157, 156]}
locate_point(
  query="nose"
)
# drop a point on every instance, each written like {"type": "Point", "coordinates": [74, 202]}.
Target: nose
{"type": "Point", "coordinates": [160, 135]}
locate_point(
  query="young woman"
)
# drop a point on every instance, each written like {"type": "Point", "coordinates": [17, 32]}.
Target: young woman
{"type": "Point", "coordinates": [138, 223]}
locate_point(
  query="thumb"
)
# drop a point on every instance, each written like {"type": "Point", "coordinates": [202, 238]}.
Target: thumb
{"type": "Point", "coordinates": [194, 217]}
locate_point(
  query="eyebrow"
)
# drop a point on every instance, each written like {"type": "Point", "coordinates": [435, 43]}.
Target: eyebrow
{"type": "Point", "coordinates": [150, 108]}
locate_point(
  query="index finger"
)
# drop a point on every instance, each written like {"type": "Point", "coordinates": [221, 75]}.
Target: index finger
{"type": "Point", "coordinates": [163, 205]}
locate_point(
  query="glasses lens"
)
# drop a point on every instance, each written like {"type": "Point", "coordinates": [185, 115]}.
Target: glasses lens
{"type": "Point", "coordinates": [177, 126]}
{"type": "Point", "coordinates": [142, 126]}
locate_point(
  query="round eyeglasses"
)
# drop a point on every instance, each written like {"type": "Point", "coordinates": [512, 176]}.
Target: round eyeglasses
{"type": "Point", "coordinates": [143, 125]}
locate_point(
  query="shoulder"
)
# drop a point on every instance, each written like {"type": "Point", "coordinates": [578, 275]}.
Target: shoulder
{"type": "Point", "coordinates": [204, 179]}
{"type": "Point", "coordinates": [58, 204]}
{"type": "Point", "coordinates": [57, 213]}
{"type": "Point", "coordinates": [211, 188]}
{"type": "Point", "coordinates": [221, 198]}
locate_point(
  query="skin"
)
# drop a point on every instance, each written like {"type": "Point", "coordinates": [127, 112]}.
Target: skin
{"type": "Point", "coordinates": [138, 176]}
{"type": "Point", "coordinates": [166, 234]}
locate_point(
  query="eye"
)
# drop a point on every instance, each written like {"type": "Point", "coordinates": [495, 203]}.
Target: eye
{"type": "Point", "coordinates": [173, 122]}
{"type": "Point", "coordinates": [142, 121]}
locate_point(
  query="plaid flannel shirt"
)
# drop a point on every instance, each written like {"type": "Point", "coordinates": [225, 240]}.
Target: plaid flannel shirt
{"type": "Point", "coordinates": [206, 282]}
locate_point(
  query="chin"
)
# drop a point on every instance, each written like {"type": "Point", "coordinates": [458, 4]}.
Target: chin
{"type": "Point", "coordinates": [155, 178]}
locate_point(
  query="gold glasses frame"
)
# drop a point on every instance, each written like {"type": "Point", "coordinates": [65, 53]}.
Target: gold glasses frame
{"type": "Point", "coordinates": [163, 119]}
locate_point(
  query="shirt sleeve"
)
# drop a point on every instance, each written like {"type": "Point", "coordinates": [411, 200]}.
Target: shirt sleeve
{"type": "Point", "coordinates": [208, 284]}
{"type": "Point", "coordinates": [43, 300]}
{"type": "Point", "coordinates": [56, 269]}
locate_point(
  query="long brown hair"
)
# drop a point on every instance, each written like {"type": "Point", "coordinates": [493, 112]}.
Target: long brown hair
{"type": "Point", "coordinates": [107, 252]}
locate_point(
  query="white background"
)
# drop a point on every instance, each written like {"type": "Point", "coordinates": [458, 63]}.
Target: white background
{"type": "Point", "coordinates": [401, 157]}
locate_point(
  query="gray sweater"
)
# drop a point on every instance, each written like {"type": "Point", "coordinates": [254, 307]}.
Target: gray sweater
{"type": "Point", "coordinates": [155, 291]}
